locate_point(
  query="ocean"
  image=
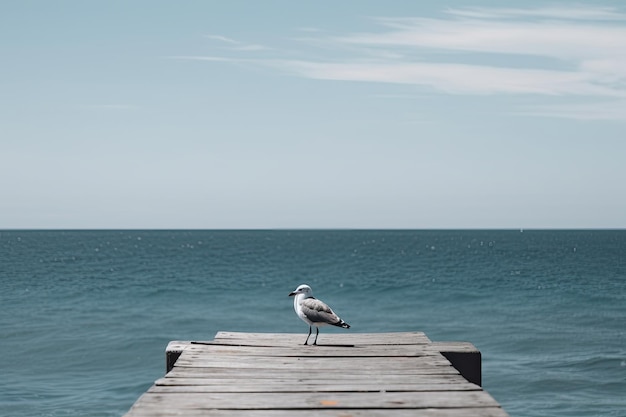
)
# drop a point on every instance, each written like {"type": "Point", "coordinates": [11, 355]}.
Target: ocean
{"type": "Point", "coordinates": [86, 315]}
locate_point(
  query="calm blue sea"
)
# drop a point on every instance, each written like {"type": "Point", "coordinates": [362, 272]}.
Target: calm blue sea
{"type": "Point", "coordinates": [86, 315]}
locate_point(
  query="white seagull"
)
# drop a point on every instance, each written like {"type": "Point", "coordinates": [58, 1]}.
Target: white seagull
{"type": "Point", "coordinates": [314, 312]}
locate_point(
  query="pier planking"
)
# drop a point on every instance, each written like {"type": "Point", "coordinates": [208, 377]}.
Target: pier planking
{"type": "Point", "coordinates": [357, 374]}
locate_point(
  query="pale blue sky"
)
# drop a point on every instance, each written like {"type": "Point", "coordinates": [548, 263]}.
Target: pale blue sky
{"type": "Point", "coordinates": [284, 114]}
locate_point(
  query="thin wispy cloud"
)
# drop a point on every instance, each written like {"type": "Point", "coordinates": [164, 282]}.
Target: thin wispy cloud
{"type": "Point", "coordinates": [455, 78]}
{"type": "Point", "coordinates": [203, 58]}
{"type": "Point", "coordinates": [570, 12]}
{"type": "Point", "coordinates": [594, 110]}
{"type": "Point", "coordinates": [236, 45]}
{"type": "Point", "coordinates": [549, 51]}
{"type": "Point", "coordinates": [556, 39]}
{"type": "Point", "coordinates": [222, 39]}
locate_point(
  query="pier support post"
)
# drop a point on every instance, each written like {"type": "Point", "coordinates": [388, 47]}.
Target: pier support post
{"type": "Point", "coordinates": [172, 353]}
{"type": "Point", "coordinates": [464, 357]}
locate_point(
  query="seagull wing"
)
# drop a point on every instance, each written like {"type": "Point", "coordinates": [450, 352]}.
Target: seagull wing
{"type": "Point", "coordinates": [318, 312]}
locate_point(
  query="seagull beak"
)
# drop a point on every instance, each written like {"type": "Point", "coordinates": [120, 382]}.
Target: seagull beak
{"type": "Point", "coordinates": [291, 294]}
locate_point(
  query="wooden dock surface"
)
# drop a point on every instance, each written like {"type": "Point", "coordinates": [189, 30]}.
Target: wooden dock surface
{"type": "Point", "coordinates": [345, 375]}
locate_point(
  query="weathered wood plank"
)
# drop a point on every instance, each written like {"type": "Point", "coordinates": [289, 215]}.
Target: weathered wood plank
{"type": "Point", "coordinates": [291, 387]}
{"type": "Point", "coordinates": [295, 382]}
{"type": "Point", "coordinates": [289, 339]}
{"type": "Point", "coordinates": [453, 347]}
{"type": "Point", "coordinates": [425, 412]}
{"type": "Point", "coordinates": [259, 362]}
{"type": "Point", "coordinates": [314, 400]}
{"type": "Point", "coordinates": [180, 371]}
{"type": "Point", "coordinates": [316, 351]}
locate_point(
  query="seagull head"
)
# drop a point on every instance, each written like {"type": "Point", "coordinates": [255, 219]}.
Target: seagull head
{"type": "Point", "coordinates": [302, 289]}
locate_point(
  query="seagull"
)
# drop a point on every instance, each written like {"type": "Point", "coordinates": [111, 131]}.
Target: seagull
{"type": "Point", "coordinates": [313, 311]}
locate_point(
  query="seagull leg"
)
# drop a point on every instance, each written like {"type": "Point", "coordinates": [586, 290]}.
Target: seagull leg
{"type": "Point", "coordinates": [317, 332]}
{"type": "Point", "coordinates": [307, 338]}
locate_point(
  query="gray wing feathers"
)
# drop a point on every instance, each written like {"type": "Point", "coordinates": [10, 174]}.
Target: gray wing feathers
{"type": "Point", "coordinates": [318, 312]}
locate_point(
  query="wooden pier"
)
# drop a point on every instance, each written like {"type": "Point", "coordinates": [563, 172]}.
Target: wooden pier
{"type": "Point", "coordinates": [345, 375]}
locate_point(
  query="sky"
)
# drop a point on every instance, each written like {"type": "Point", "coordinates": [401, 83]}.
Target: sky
{"type": "Point", "coordinates": [283, 114]}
